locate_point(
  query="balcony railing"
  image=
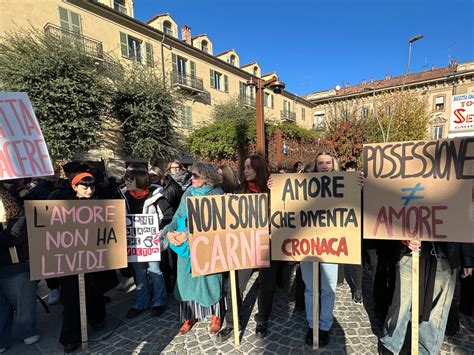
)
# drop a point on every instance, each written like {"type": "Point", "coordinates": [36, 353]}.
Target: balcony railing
{"type": "Point", "coordinates": [248, 100]}
{"type": "Point", "coordinates": [187, 81]}
{"type": "Point", "coordinates": [88, 45]}
{"type": "Point", "coordinates": [288, 115]}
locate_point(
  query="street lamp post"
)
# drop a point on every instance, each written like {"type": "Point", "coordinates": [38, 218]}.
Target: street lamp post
{"type": "Point", "coordinates": [410, 41]}
{"type": "Point", "coordinates": [276, 86]}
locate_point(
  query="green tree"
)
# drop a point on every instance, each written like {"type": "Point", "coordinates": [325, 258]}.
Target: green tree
{"type": "Point", "coordinates": [68, 89]}
{"type": "Point", "coordinates": [147, 111]}
{"type": "Point", "coordinates": [231, 131]}
{"type": "Point", "coordinates": [400, 116]}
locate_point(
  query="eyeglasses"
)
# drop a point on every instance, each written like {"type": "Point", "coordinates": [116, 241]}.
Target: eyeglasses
{"type": "Point", "coordinates": [174, 167]}
{"type": "Point", "coordinates": [196, 176]}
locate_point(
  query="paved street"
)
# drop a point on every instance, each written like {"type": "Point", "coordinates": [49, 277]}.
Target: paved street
{"type": "Point", "coordinates": [353, 331]}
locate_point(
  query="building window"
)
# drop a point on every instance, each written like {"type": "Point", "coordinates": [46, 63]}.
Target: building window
{"type": "Point", "coordinates": [388, 110]}
{"type": "Point", "coordinates": [365, 112]}
{"type": "Point", "coordinates": [268, 100]}
{"type": "Point", "coordinates": [186, 117]}
{"type": "Point", "coordinates": [303, 113]}
{"type": "Point", "coordinates": [167, 28]}
{"type": "Point", "coordinates": [70, 21]}
{"type": "Point", "coordinates": [205, 46]}
{"type": "Point", "coordinates": [286, 106]}
{"type": "Point", "coordinates": [345, 115]}
{"type": "Point", "coordinates": [232, 59]}
{"type": "Point", "coordinates": [439, 103]}
{"type": "Point", "coordinates": [119, 5]}
{"type": "Point", "coordinates": [219, 81]}
{"type": "Point", "coordinates": [318, 121]}
{"type": "Point", "coordinates": [437, 132]}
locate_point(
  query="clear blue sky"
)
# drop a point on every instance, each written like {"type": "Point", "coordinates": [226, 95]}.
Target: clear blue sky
{"type": "Point", "coordinates": [314, 45]}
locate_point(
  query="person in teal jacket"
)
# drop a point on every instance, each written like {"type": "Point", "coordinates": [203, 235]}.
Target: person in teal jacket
{"type": "Point", "coordinates": [203, 296]}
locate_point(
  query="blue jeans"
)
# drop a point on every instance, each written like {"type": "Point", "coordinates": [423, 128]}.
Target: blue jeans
{"type": "Point", "coordinates": [328, 277]}
{"type": "Point", "coordinates": [143, 297]}
{"type": "Point", "coordinates": [431, 333]}
{"type": "Point", "coordinates": [17, 295]}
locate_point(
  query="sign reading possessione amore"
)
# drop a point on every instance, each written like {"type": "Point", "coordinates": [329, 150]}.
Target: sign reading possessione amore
{"type": "Point", "coordinates": [75, 236]}
{"type": "Point", "coordinates": [228, 232]}
{"type": "Point", "coordinates": [316, 217]}
{"type": "Point", "coordinates": [419, 190]}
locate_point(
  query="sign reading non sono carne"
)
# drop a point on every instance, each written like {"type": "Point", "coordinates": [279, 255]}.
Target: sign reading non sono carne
{"type": "Point", "coordinates": [143, 243]}
{"type": "Point", "coordinates": [228, 232]}
{"type": "Point", "coordinates": [75, 236]}
{"type": "Point", "coordinates": [23, 151]}
{"type": "Point", "coordinates": [419, 190]}
{"type": "Point", "coordinates": [316, 217]}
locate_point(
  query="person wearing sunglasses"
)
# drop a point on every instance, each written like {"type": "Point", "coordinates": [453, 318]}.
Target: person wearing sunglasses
{"type": "Point", "coordinates": [199, 297]}
{"type": "Point", "coordinates": [83, 188]}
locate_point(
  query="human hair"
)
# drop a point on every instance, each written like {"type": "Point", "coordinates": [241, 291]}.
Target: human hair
{"type": "Point", "coordinates": [230, 183]}
{"type": "Point", "coordinates": [260, 166]}
{"type": "Point", "coordinates": [175, 161]}
{"type": "Point", "coordinates": [312, 167]}
{"type": "Point", "coordinates": [351, 165]}
{"type": "Point", "coordinates": [296, 166]}
{"type": "Point", "coordinates": [142, 179]}
{"type": "Point", "coordinates": [85, 179]}
{"type": "Point", "coordinates": [156, 170]}
{"type": "Point", "coordinates": [136, 166]}
{"type": "Point", "coordinates": [209, 175]}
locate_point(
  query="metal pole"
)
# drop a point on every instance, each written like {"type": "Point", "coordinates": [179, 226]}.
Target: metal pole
{"type": "Point", "coordinates": [260, 124]}
{"type": "Point", "coordinates": [409, 58]}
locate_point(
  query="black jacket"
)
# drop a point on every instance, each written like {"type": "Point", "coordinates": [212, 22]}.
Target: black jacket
{"type": "Point", "coordinates": [13, 235]}
{"type": "Point", "coordinates": [172, 192]}
{"type": "Point", "coordinates": [64, 191]}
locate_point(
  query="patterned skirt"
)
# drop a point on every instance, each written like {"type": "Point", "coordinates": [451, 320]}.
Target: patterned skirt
{"type": "Point", "coordinates": [192, 309]}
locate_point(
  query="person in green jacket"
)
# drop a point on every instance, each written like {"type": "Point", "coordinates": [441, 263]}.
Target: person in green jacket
{"type": "Point", "coordinates": [203, 296]}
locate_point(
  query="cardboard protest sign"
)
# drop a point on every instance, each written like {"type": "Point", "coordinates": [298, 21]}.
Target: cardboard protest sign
{"type": "Point", "coordinates": [143, 242]}
{"type": "Point", "coordinates": [419, 190]}
{"type": "Point", "coordinates": [228, 232]}
{"type": "Point", "coordinates": [23, 151]}
{"type": "Point", "coordinates": [75, 237]}
{"type": "Point", "coordinates": [461, 121]}
{"type": "Point", "coordinates": [316, 217]}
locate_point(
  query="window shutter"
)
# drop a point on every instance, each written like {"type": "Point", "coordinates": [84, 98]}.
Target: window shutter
{"type": "Point", "coordinates": [211, 75]}
{"type": "Point", "coordinates": [226, 83]}
{"type": "Point", "coordinates": [75, 22]}
{"type": "Point", "coordinates": [273, 103]}
{"type": "Point", "coordinates": [175, 62]}
{"type": "Point", "coordinates": [149, 54]}
{"type": "Point", "coordinates": [64, 19]}
{"type": "Point", "coordinates": [192, 66]}
{"type": "Point", "coordinates": [124, 44]}
{"type": "Point", "coordinates": [439, 100]}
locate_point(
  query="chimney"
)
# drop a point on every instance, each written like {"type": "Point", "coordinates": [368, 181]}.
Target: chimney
{"type": "Point", "coordinates": [432, 67]}
{"type": "Point", "coordinates": [186, 34]}
{"type": "Point", "coordinates": [387, 77]}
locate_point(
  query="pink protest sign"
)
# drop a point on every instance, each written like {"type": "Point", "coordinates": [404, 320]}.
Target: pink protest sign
{"type": "Point", "coordinates": [23, 151]}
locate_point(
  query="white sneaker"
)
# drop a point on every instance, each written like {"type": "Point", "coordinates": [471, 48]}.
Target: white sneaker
{"type": "Point", "coordinates": [53, 297]}
{"type": "Point", "coordinates": [123, 284]}
{"type": "Point", "coordinates": [31, 340]}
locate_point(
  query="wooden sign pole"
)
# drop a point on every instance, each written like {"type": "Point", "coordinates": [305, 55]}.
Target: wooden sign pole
{"type": "Point", "coordinates": [235, 308]}
{"type": "Point", "coordinates": [415, 299]}
{"type": "Point", "coordinates": [315, 305]}
{"type": "Point", "coordinates": [83, 311]}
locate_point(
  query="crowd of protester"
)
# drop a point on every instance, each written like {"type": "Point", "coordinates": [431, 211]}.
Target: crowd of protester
{"type": "Point", "coordinates": [446, 267]}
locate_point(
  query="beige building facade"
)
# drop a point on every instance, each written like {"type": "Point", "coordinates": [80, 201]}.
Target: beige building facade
{"type": "Point", "coordinates": [437, 85]}
{"type": "Point", "coordinates": [109, 31]}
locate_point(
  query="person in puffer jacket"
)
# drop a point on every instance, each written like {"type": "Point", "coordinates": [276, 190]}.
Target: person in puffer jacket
{"type": "Point", "coordinates": [143, 198]}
